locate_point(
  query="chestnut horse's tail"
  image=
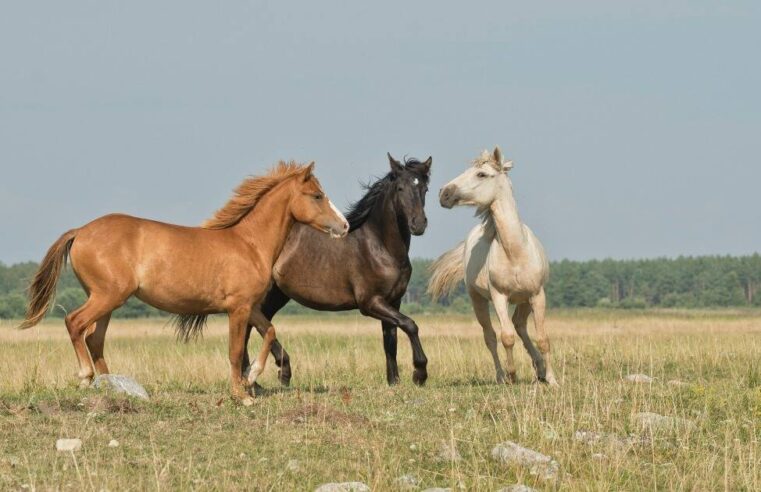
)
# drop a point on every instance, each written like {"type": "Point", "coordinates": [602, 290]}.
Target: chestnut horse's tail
{"type": "Point", "coordinates": [447, 272]}
{"type": "Point", "coordinates": [42, 290]}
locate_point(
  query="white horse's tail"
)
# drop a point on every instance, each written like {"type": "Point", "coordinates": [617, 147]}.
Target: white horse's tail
{"type": "Point", "coordinates": [447, 272]}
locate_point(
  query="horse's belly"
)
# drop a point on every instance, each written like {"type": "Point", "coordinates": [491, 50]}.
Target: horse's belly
{"type": "Point", "coordinates": [320, 297]}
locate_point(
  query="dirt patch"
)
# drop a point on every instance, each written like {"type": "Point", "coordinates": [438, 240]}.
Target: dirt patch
{"type": "Point", "coordinates": [313, 413]}
{"type": "Point", "coordinates": [97, 404]}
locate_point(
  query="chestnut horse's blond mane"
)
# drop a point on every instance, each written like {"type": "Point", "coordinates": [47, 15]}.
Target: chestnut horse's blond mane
{"type": "Point", "coordinates": [249, 192]}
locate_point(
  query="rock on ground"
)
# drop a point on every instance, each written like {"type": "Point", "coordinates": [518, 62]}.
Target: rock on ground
{"type": "Point", "coordinates": [447, 453]}
{"type": "Point", "coordinates": [537, 463]}
{"type": "Point", "coordinates": [639, 378]}
{"type": "Point", "coordinates": [407, 482]}
{"type": "Point", "coordinates": [676, 382]}
{"type": "Point", "coordinates": [592, 438]}
{"type": "Point", "coordinates": [113, 443]}
{"type": "Point", "coordinates": [519, 487]}
{"type": "Point", "coordinates": [120, 384]}
{"type": "Point", "coordinates": [68, 445]}
{"type": "Point", "coordinates": [655, 422]}
{"type": "Point", "coordinates": [343, 487]}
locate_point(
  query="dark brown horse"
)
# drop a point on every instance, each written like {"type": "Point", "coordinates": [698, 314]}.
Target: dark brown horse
{"type": "Point", "coordinates": [369, 270]}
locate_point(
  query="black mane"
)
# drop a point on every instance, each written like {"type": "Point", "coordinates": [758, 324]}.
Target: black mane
{"type": "Point", "coordinates": [360, 210]}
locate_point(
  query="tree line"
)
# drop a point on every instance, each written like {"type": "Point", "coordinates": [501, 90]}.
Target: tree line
{"type": "Point", "coordinates": [684, 282]}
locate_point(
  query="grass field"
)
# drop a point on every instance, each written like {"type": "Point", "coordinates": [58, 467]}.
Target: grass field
{"type": "Point", "coordinates": [340, 421]}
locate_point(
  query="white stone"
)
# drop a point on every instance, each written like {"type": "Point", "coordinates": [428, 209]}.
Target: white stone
{"type": "Point", "coordinates": [640, 378]}
{"type": "Point", "coordinates": [519, 487]}
{"type": "Point", "coordinates": [448, 453]}
{"type": "Point", "coordinates": [655, 422]}
{"type": "Point", "coordinates": [69, 445]}
{"type": "Point", "coordinates": [537, 463]}
{"type": "Point", "coordinates": [113, 443]}
{"type": "Point", "coordinates": [120, 384]}
{"type": "Point", "coordinates": [592, 438]}
{"type": "Point", "coordinates": [343, 487]}
{"type": "Point", "coordinates": [407, 482]}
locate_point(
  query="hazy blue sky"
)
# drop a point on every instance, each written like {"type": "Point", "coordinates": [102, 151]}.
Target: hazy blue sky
{"type": "Point", "coordinates": [635, 126]}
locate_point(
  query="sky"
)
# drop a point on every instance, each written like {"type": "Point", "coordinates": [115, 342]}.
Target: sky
{"type": "Point", "coordinates": [635, 126]}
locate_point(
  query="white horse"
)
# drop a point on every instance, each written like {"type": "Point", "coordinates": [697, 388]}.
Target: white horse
{"type": "Point", "coordinates": [501, 260]}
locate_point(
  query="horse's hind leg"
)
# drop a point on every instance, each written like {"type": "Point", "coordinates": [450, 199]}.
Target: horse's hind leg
{"type": "Point", "coordinates": [481, 309]}
{"type": "Point", "coordinates": [96, 341]}
{"type": "Point", "coordinates": [520, 320]}
{"type": "Point", "coordinates": [389, 347]}
{"type": "Point", "coordinates": [78, 323]}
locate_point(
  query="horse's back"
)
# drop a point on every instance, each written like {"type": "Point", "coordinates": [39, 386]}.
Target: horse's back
{"type": "Point", "coordinates": [329, 274]}
{"type": "Point", "coordinates": [155, 261]}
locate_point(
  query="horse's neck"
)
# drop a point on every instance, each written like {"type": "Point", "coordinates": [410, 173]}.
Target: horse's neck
{"type": "Point", "coordinates": [267, 225]}
{"type": "Point", "coordinates": [507, 223]}
{"type": "Point", "coordinates": [394, 235]}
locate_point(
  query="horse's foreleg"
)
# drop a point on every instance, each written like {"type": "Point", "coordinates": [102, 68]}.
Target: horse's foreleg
{"type": "Point", "coordinates": [539, 304]}
{"type": "Point", "coordinates": [275, 301]}
{"type": "Point", "coordinates": [264, 326]}
{"type": "Point", "coordinates": [381, 310]}
{"type": "Point", "coordinates": [481, 308]}
{"type": "Point", "coordinates": [507, 332]}
{"type": "Point", "coordinates": [520, 320]}
{"type": "Point", "coordinates": [238, 321]}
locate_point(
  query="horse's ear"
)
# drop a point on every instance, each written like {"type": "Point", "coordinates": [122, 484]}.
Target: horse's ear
{"type": "Point", "coordinates": [507, 165]}
{"type": "Point", "coordinates": [497, 154]}
{"type": "Point", "coordinates": [396, 166]}
{"type": "Point", "coordinates": [427, 165]}
{"type": "Point", "coordinates": [308, 171]}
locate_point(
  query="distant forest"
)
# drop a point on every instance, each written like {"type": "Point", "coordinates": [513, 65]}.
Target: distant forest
{"type": "Point", "coordinates": [686, 282]}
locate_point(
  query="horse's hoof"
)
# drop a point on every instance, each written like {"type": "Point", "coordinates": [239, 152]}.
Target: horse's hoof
{"type": "Point", "coordinates": [393, 381]}
{"type": "Point", "coordinates": [511, 378]}
{"type": "Point", "coordinates": [284, 377]}
{"type": "Point", "coordinates": [419, 377]}
{"type": "Point", "coordinates": [85, 383]}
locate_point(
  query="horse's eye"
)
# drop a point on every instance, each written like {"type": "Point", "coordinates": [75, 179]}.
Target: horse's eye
{"type": "Point", "coordinates": [318, 196]}
{"type": "Point", "coordinates": [482, 175]}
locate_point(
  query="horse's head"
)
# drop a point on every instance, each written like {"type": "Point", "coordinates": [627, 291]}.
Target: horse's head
{"type": "Point", "coordinates": [480, 184]}
{"type": "Point", "coordinates": [310, 205]}
{"type": "Point", "coordinates": [409, 183]}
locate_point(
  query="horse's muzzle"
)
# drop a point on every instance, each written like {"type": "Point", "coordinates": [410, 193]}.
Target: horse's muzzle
{"type": "Point", "coordinates": [448, 196]}
{"type": "Point", "coordinates": [418, 226]}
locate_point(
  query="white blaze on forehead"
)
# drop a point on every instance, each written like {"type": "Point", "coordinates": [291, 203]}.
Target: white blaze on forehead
{"type": "Point", "coordinates": [336, 211]}
{"type": "Point", "coordinates": [416, 181]}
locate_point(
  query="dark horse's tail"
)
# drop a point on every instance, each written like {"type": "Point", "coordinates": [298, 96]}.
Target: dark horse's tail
{"type": "Point", "coordinates": [188, 326]}
{"type": "Point", "coordinates": [42, 290]}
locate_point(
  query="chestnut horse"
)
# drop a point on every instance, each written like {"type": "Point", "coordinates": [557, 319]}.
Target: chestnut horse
{"type": "Point", "coordinates": [224, 266]}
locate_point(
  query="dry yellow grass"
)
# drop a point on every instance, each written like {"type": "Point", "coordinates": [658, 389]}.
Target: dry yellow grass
{"type": "Point", "coordinates": [341, 422]}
